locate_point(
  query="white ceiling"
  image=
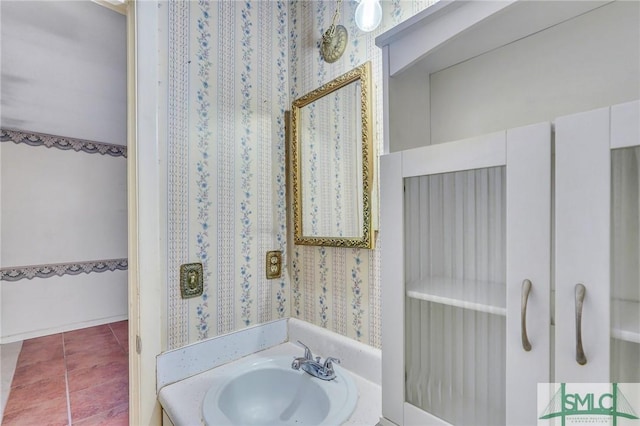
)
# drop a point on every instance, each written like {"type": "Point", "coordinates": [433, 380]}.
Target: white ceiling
{"type": "Point", "coordinates": [63, 69]}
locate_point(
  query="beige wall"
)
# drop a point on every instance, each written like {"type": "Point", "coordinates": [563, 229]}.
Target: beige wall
{"type": "Point", "coordinates": [339, 288]}
{"type": "Point", "coordinates": [229, 71]}
{"type": "Point", "coordinates": [224, 85]}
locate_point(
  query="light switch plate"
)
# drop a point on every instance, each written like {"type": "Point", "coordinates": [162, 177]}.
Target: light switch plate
{"type": "Point", "coordinates": [274, 264]}
{"type": "Point", "coordinates": [191, 280]}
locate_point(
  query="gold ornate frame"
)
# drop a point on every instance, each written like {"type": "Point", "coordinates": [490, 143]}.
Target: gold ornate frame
{"type": "Point", "coordinates": [362, 74]}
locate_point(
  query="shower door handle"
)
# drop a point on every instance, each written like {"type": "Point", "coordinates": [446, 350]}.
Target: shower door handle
{"type": "Point", "coordinates": [580, 291]}
{"type": "Point", "coordinates": [526, 289]}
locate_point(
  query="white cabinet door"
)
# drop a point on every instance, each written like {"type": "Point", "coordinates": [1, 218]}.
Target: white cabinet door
{"type": "Point", "coordinates": [528, 258]}
{"type": "Point", "coordinates": [392, 285]}
{"type": "Point", "coordinates": [441, 207]}
{"type": "Point", "coordinates": [590, 310]}
{"type": "Point", "coordinates": [583, 179]}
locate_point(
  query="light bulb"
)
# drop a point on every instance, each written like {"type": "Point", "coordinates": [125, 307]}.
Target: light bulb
{"type": "Point", "coordinates": [368, 15]}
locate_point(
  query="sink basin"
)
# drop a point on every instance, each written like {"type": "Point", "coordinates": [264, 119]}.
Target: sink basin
{"type": "Point", "coordinates": [268, 391]}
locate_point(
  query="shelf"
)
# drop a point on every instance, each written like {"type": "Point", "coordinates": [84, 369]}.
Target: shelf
{"type": "Point", "coordinates": [481, 296]}
{"type": "Point", "coordinates": [453, 407]}
{"type": "Point", "coordinates": [625, 320]}
{"type": "Point", "coordinates": [451, 32]}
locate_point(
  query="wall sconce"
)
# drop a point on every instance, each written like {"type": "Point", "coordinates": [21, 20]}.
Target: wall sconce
{"type": "Point", "coordinates": [368, 15]}
{"type": "Point", "coordinates": [334, 40]}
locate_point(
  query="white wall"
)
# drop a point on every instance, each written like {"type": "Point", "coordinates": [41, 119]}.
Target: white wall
{"type": "Point", "coordinates": [61, 206]}
{"type": "Point", "coordinates": [588, 62]}
{"type": "Point", "coordinates": [63, 69]}
{"type": "Point", "coordinates": [44, 306]}
{"type": "Point", "coordinates": [63, 72]}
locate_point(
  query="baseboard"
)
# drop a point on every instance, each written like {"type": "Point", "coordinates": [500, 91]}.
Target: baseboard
{"type": "Point", "coordinates": [61, 329]}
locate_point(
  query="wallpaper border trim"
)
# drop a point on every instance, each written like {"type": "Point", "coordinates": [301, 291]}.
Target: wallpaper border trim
{"type": "Point", "coordinates": [61, 142]}
{"type": "Point", "coordinates": [16, 273]}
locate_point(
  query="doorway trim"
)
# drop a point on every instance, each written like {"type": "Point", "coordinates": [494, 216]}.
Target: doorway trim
{"type": "Point", "coordinates": [143, 194]}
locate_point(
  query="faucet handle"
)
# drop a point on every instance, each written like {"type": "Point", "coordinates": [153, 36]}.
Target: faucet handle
{"type": "Point", "coordinates": [328, 364]}
{"type": "Point", "coordinates": [307, 352]}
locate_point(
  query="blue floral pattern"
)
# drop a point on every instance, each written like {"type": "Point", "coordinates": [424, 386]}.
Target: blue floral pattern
{"type": "Point", "coordinates": [356, 289]}
{"type": "Point", "coordinates": [312, 167]}
{"type": "Point", "coordinates": [337, 163]}
{"type": "Point", "coordinates": [396, 12]}
{"type": "Point", "coordinates": [226, 165]}
{"type": "Point", "coordinates": [203, 200]}
{"type": "Point", "coordinates": [355, 36]}
{"type": "Point", "coordinates": [324, 270]}
{"type": "Point", "coordinates": [219, 146]}
{"type": "Point", "coordinates": [320, 19]}
{"type": "Point", "coordinates": [246, 232]}
{"type": "Point", "coordinates": [281, 181]}
{"type": "Point", "coordinates": [293, 49]}
{"type": "Point", "coordinates": [295, 286]}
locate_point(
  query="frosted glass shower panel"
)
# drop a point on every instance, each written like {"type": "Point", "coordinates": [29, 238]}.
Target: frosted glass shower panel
{"type": "Point", "coordinates": [625, 265]}
{"type": "Point", "coordinates": [455, 269]}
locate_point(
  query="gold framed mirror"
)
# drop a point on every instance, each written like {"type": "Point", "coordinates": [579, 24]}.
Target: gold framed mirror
{"type": "Point", "coordinates": [332, 157]}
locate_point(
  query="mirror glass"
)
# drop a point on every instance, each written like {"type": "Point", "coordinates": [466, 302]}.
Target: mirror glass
{"type": "Point", "coordinates": [332, 162]}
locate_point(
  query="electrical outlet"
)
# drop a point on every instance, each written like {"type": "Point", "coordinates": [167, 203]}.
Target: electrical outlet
{"type": "Point", "coordinates": [191, 280]}
{"type": "Point", "coordinates": [274, 264]}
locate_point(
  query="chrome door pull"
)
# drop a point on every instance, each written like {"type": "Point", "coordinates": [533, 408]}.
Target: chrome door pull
{"type": "Point", "coordinates": [526, 289]}
{"type": "Point", "coordinates": [580, 292]}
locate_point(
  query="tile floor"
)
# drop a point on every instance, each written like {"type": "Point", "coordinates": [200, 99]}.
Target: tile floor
{"type": "Point", "coordinates": [73, 378]}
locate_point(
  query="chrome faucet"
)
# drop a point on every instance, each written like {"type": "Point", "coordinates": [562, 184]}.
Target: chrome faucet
{"type": "Point", "coordinates": [323, 371]}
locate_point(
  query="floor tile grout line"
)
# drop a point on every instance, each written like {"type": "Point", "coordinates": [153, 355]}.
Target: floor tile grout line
{"type": "Point", "coordinates": [66, 381]}
{"type": "Point", "coordinates": [116, 337]}
{"type": "Point", "coordinates": [67, 375]}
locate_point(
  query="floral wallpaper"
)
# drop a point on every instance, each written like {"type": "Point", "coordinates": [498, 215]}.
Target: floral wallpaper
{"type": "Point", "coordinates": [339, 288]}
{"type": "Point", "coordinates": [226, 206]}
{"type": "Point", "coordinates": [230, 70]}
